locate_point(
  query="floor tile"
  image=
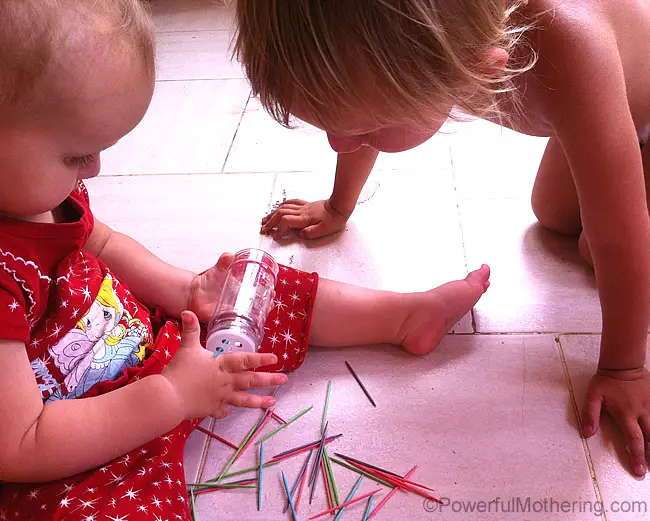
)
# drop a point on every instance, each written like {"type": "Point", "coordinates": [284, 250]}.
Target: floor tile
{"type": "Point", "coordinates": [539, 281]}
{"type": "Point", "coordinates": [196, 55]}
{"type": "Point", "coordinates": [493, 162]}
{"type": "Point", "coordinates": [624, 496]}
{"type": "Point", "coordinates": [189, 128]}
{"type": "Point", "coordinates": [483, 417]}
{"type": "Point", "coordinates": [192, 15]}
{"type": "Point", "coordinates": [188, 221]}
{"type": "Point", "coordinates": [306, 149]}
{"type": "Point", "coordinates": [390, 242]}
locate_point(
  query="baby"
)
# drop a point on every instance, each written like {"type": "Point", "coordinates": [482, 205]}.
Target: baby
{"type": "Point", "coordinates": [383, 75]}
{"type": "Point", "coordinates": [101, 384]}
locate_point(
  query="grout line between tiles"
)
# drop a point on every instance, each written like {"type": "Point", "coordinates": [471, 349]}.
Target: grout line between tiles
{"type": "Point", "coordinates": [241, 118]}
{"type": "Point", "coordinates": [576, 412]}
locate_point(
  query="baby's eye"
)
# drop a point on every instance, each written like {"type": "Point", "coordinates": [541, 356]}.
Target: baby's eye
{"type": "Point", "coordinates": [80, 161]}
{"type": "Point", "coordinates": [107, 315]}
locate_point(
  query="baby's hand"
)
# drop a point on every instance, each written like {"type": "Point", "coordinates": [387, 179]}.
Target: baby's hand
{"type": "Point", "coordinates": [205, 289]}
{"type": "Point", "coordinates": [204, 385]}
{"type": "Point", "coordinates": [312, 219]}
{"type": "Point", "coordinates": [625, 395]}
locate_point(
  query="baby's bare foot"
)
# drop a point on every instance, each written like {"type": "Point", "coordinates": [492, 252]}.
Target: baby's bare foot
{"type": "Point", "coordinates": [434, 312]}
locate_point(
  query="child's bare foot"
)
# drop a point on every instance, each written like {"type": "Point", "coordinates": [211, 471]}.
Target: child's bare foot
{"type": "Point", "coordinates": [434, 312]}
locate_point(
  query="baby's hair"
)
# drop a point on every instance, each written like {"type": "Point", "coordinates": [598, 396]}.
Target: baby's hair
{"type": "Point", "coordinates": [417, 55]}
{"type": "Point", "coordinates": [36, 34]}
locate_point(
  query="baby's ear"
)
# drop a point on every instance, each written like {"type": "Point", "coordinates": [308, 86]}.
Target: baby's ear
{"type": "Point", "coordinates": [494, 60]}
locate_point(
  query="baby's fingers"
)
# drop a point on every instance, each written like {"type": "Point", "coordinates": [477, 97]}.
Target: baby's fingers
{"type": "Point", "coordinates": [239, 362]}
{"type": "Point", "coordinates": [252, 401]}
{"type": "Point", "coordinates": [251, 380]}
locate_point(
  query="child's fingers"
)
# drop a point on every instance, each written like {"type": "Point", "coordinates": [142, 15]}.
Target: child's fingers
{"type": "Point", "coordinates": [250, 380]}
{"type": "Point", "coordinates": [636, 446]}
{"type": "Point", "coordinates": [289, 222]}
{"type": "Point", "coordinates": [239, 362]}
{"type": "Point", "coordinates": [191, 334]}
{"type": "Point", "coordinates": [252, 401]}
{"type": "Point", "coordinates": [314, 231]}
{"type": "Point", "coordinates": [591, 413]}
{"type": "Point", "coordinates": [298, 202]}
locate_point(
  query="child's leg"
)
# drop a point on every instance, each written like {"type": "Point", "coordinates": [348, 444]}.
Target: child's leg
{"type": "Point", "coordinates": [347, 315]}
{"type": "Point", "coordinates": [554, 199]}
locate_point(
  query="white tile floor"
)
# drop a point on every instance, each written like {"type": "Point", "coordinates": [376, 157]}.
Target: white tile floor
{"type": "Point", "coordinates": [487, 415]}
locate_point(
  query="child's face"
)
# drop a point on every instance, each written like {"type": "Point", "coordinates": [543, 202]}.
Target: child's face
{"type": "Point", "coordinates": [385, 139]}
{"type": "Point", "coordinates": [44, 154]}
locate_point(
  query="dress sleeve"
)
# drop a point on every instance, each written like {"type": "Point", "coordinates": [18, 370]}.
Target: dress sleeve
{"type": "Point", "coordinates": [14, 324]}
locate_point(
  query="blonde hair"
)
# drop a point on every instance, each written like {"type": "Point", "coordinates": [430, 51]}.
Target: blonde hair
{"type": "Point", "coordinates": [418, 55]}
{"type": "Point", "coordinates": [35, 36]}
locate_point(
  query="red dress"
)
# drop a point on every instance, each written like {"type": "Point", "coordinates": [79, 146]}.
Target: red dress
{"type": "Point", "coordinates": [85, 335]}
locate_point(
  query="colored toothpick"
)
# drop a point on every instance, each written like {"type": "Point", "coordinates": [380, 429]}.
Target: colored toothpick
{"type": "Point", "coordinates": [299, 479]}
{"type": "Point", "coordinates": [346, 504]}
{"type": "Point", "coordinates": [217, 352]}
{"type": "Point", "coordinates": [350, 496]}
{"type": "Point", "coordinates": [306, 446]}
{"type": "Point", "coordinates": [277, 417]}
{"type": "Point", "coordinates": [390, 495]}
{"type": "Point", "coordinates": [367, 512]}
{"type": "Point", "coordinates": [313, 479]}
{"type": "Point", "coordinates": [363, 387]}
{"type": "Point", "coordinates": [362, 472]}
{"type": "Point", "coordinates": [286, 489]}
{"type": "Point", "coordinates": [284, 426]}
{"type": "Point", "coordinates": [216, 437]}
{"type": "Point", "coordinates": [259, 481]}
{"type": "Point", "coordinates": [330, 473]}
{"type": "Point", "coordinates": [327, 402]}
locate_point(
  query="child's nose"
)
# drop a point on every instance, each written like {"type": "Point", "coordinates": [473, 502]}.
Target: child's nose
{"type": "Point", "coordinates": [345, 145]}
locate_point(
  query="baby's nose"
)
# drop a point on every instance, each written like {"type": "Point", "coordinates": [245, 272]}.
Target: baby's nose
{"type": "Point", "coordinates": [345, 145]}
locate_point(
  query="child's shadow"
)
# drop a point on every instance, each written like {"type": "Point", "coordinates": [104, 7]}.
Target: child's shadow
{"type": "Point", "coordinates": [544, 247]}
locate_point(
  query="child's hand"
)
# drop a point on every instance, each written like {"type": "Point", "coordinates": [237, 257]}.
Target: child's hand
{"type": "Point", "coordinates": [312, 219]}
{"type": "Point", "coordinates": [625, 395]}
{"type": "Point", "coordinates": [204, 385]}
{"type": "Point", "coordinates": [205, 289]}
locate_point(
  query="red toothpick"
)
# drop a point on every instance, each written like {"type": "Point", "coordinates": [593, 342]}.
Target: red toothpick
{"type": "Point", "coordinates": [250, 440]}
{"type": "Point", "coordinates": [302, 486]}
{"type": "Point", "coordinates": [277, 417]}
{"type": "Point", "coordinates": [390, 494]}
{"type": "Point", "coordinates": [328, 493]}
{"type": "Point", "coordinates": [347, 503]}
{"type": "Point", "coordinates": [400, 482]}
{"type": "Point", "coordinates": [216, 437]}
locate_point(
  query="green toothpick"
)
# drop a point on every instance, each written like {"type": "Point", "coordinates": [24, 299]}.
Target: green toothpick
{"type": "Point", "coordinates": [285, 425]}
{"type": "Point", "coordinates": [327, 402]}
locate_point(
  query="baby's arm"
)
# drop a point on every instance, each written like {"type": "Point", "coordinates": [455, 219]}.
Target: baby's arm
{"type": "Point", "coordinates": [325, 217]}
{"type": "Point", "coordinates": [43, 442]}
{"type": "Point", "coordinates": [152, 281]}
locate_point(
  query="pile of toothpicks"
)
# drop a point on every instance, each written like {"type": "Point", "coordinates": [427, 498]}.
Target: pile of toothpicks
{"type": "Point", "coordinates": [316, 453]}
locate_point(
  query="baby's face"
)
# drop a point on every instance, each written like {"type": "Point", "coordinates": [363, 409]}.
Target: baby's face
{"type": "Point", "coordinates": [384, 139]}
{"type": "Point", "coordinates": [44, 155]}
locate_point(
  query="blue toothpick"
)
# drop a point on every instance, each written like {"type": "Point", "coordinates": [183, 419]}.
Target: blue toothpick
{"type": "Point", "coordinates": [217, 352]}
{"type": "Point", "coordinates": [350, 496]}
{"type": "Point", "coordinates": [367, 513]}
{"type": "Point", "coordinates": [286, 489]}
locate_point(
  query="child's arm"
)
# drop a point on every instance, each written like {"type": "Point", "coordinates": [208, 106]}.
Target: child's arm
{"type": "Point", "coordinates": [586, 101]}
{"type": "Point", "coordinates": [152, 281]}
{"type": "Point", "coordinates": [43, 442]}
{"type": "Point", "coordinates": [325, 217]}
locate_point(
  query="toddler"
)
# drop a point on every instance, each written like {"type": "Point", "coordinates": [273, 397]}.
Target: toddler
{"type": "Point", "coordinates": [101, 384]}
{"type": "Point", "coordinates": [383, 75]}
